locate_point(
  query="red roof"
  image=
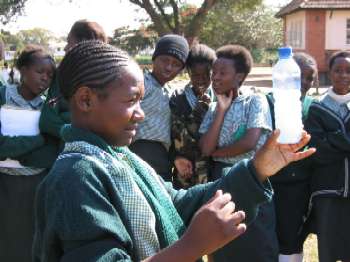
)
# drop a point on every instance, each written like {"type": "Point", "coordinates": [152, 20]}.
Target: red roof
{"type": "Point", "coordinates": [296, 5]}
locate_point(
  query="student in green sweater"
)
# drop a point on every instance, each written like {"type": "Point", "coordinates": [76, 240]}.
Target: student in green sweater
{"type": "Point", "coordinates": [101, 202]}
{"type": "Point", "coordinates": [55, 112]}
{"type": "Point", "coordinates": [25, 156]}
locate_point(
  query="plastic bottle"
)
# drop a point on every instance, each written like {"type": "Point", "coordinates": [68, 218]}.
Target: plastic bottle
{"type": "Point", "coordinates": [286, 92]}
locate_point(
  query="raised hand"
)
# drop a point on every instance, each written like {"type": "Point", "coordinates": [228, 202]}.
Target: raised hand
{"type": "Point", "coordinates": [224, 101]}
{"type": "Point", "coordinates": [272, 156]}
{"type": "Point", "coordinates": [205, 98]}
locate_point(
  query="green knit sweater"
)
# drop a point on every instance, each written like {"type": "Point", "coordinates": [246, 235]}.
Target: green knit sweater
{"type": "Point", "coordinates": [81, 216]}
{"type": "Point", "coordinates": [54, 114]}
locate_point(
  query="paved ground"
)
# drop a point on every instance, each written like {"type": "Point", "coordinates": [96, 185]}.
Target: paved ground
{"type": "Point", "coordinates": [259, 80]}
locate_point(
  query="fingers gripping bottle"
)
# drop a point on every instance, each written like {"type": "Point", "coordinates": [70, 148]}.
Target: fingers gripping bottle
{"type": "Point", "coordinates": [286, 92]}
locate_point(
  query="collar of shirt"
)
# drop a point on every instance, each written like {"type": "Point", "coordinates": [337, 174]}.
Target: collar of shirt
{"type": "Point", "coordinates": [14, 98]}
{"type": "Point", "coordinates": [190, 96]}
{"type": "Point", "coordinates": [154, 82]}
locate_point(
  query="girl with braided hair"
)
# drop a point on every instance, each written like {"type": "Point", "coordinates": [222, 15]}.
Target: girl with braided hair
{"type": "Point", "coordinates": [55, 112]}
{"type": "Point", "coordinates": [101, 202]}
{"type": "Point", "coordinates": [25, 157]}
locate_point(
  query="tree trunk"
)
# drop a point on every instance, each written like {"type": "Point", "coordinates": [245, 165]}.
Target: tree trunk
{"type": "Point", "coordinates": [194, 28]}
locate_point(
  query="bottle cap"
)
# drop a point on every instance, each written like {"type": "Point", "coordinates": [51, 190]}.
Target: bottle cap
{"type": "Point", "coordinates": [285, 52]}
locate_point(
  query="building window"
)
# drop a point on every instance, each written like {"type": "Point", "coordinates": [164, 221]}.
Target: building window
{"type": "Point", "coordinates": [295, 34]}
{"type": "Point", "coordinates": [348, 31]}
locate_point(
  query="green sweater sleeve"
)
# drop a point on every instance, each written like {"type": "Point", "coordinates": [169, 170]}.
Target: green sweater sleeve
{"type": "Point", "coordinates": [77, 217]}
{"type": "Point", "coordinates": [241, 182]}
{"type": "Point", "coordinates": [54, 117]}
{"type": "Point", "coordinates": [42, 157]}
{"type": "Point", "coordinates": [51, 121]}
{"type": "Point", "coordinates": [12, 147]}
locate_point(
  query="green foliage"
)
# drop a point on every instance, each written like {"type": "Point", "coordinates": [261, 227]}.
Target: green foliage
{"type": "Point", "coordinates": [171, 16]}
{"type": "Point", "coordinates": [38, 36]}
{"type": "Point", "coordinates": [143, 60]}
{"type": "Point", "coordinates": [12, 42]}
{"type": "Point", "coordinates": [10, 8]}
{"type": "Point", "coordinates": [17, 41]}
{"type": "Point", "coordinates": [134, 40]}
{"type": "Point", "coordinates": [264, 56]}
{"type": "Point", "coordinates": [255, 28]}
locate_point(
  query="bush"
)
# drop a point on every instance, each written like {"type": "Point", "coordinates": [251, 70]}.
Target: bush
{"type": "Point", "coordinates": [144, 60]}
{"type": "Point", "coordinates": [264, 56]}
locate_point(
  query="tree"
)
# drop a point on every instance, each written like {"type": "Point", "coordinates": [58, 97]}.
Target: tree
{"type": "Point", "coordinates": [134, 40]}
{"type": "Point", "coordinates": [16, 42]}
{"type": "Point", "coordinates": [38, 36]}
{"type": "Point", "coordinates": [254, 28]}
{"type": "Point", "coordinates": [10, 8]}
{"type": "Point", "coordinates": [13, 42]}
{"type": "Point", "coordinates": [166, 14]}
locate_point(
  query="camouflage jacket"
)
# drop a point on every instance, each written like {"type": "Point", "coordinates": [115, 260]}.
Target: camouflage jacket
{"type": "Point", "coordinates": [187, 113]}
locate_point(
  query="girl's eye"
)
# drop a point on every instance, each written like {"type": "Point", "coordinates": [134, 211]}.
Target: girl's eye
{"type": "Point", "coordinates": [134, 100]}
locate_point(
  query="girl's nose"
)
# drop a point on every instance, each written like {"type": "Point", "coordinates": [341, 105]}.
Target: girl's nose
{"type": "Point", "coordinates": [45, 77]}
{"type": "Point", "coordinates": [139, 115]}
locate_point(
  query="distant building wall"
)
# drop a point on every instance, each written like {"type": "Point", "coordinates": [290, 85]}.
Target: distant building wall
{"type": "Point", "coordinates": [338, 30]}
{"type": "Point", "coordinates": [295, 30]}
{"type": "Point", "coordinates": [315, 37]}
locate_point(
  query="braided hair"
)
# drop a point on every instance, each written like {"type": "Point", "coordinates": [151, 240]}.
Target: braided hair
{"type": "Point", "coordinates": [90, 63]}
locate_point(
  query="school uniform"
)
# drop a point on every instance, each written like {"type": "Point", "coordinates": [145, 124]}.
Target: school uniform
{"type": "Point", "coordinates": [187, 115]}
{"type": "Point", "coordinates": [259, 243]}
{"type": "Point", "coordinates": [54, 114]}
{"type": "Point", "coordinates": [152, 140]}
{"type": "Point", "coordinates": [245, 112]}
{"type": "Point", "coordinates": [101, 203]}
{"type": "Point", "coordinates": [35, 155]}
{"type": "Point", "coordinates": [328, 123]}
{"type": "Point", "coordinates": [292, 192]}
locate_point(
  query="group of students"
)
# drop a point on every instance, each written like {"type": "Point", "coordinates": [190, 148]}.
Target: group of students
{"type": "Point", "coordinates": [122, 159]}
{"type": "Point", "coordinates": [9, 75]}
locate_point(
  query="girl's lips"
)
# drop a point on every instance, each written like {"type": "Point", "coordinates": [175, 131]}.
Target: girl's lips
{"type": "Point", "coordinates": [167, 74]}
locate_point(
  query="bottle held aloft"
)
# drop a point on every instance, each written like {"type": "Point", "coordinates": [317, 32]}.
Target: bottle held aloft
{"type": "Point", "coordinates": [286, 79]}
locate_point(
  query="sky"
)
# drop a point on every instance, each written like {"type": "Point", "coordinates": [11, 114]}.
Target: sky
{"type": "Point", "coordinates": [59, 15]}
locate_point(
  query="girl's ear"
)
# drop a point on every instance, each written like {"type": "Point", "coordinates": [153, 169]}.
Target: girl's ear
{"type": "Point", "coordinates": [84, 99]}
{"type": "Point", "coordinates": [23, 71]}
{"type": "Point", "coordinates": [239, 77]}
